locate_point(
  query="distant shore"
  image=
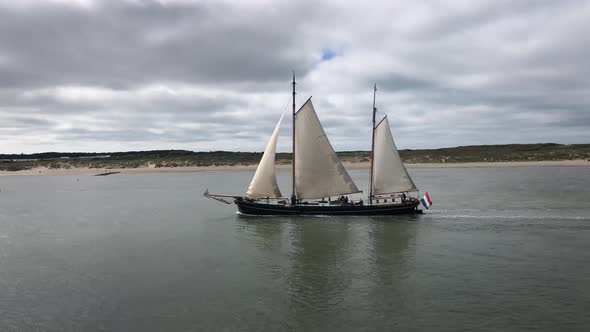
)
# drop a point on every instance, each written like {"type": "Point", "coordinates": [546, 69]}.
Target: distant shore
{"type": "Point", "coordinates": [283, 167]}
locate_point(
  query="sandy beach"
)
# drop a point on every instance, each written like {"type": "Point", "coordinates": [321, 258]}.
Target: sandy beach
{"type": "Point", "coordinates": [283, 167]}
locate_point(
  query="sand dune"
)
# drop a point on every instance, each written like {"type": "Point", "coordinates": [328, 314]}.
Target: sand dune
{"type": "Point", "coordinates": [286, 167]}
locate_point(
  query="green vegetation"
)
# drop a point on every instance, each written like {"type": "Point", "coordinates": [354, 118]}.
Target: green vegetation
{"type": "Point", "coordinates": [499, 153]}
{"type": "Point", "coordinates": [182, 158]}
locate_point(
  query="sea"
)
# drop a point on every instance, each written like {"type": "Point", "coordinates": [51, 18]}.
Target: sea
{"type": "Point", "coordinates": [501, 249]}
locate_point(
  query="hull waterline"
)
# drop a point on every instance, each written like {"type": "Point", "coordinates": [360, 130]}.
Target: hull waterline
{"type": "Point", "coordinates": [254, 208]}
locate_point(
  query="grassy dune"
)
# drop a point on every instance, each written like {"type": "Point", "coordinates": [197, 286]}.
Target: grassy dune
{"type": "Point", "coordinates": [182, 158]}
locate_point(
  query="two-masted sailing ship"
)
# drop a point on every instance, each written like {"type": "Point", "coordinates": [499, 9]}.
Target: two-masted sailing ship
{"type": "Point", "coordinates": [320, 183]}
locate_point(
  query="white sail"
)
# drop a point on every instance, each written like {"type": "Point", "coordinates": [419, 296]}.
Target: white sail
{"type": "Point", "coordinates": [389, 173]}
{"type": "Point", "coordinates": [318, 171]}
{"type": "Point", "coordinates": [264, 183]}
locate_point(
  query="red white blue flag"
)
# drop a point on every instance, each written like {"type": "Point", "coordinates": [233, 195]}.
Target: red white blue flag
{"type": "Point", "coordinates": [426, 201]}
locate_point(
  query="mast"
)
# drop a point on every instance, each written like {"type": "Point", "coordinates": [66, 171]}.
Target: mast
{"type": "Point", "coordinates": [293, 196]}
{"type": "Point", "coordinates": [372, 146]}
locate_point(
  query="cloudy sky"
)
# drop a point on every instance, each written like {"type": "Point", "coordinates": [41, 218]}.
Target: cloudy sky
{"type": "Point", "coordinates": [90, 75]}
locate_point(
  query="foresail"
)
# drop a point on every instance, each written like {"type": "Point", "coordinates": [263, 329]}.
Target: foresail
{"type": "Point", "coordinates": [264, 183]}
{"type": "Point", "coordinates": [389, 173]}
{"type": "Point", "coordinates": [318, 171]}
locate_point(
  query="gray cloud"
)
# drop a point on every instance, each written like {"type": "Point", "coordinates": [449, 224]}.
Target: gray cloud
{"type": "Point", "coordinates": [209, 75]}
{"type": "Point", "coordinates": [25, 122]}
{"type": "Point", "coordinates": [120, 44]}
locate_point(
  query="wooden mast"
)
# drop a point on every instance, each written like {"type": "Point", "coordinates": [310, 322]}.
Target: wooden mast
{"type": "Point", "coordinates": [293, 195]}
{"type": "Point", "coordinates": [372, 146]}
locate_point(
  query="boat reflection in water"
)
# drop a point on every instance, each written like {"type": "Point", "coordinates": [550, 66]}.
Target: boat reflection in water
{"type": "Point", "coordinates": [330, 271]}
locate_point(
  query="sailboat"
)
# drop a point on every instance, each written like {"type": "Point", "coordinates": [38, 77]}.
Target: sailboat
{"type": "Point", "coordinates": [318, 175]}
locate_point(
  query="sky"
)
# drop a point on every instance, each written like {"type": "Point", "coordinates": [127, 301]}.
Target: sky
{"type": "Point", "coordinates": [90, 75]}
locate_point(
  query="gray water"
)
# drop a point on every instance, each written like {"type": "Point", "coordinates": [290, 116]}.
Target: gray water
{"type": "Point", "coordinates": [504, 249]}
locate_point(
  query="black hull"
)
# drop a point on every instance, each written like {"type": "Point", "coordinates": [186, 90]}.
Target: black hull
{"type": "Point", "coordinates": [253, 208]}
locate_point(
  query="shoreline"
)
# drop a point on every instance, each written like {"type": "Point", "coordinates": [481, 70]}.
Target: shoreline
{"type": "Point", "coordinates": [284, 167]}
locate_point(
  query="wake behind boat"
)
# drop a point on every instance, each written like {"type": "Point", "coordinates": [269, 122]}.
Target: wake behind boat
{"type": "Point", "coordinates": [320, 183]}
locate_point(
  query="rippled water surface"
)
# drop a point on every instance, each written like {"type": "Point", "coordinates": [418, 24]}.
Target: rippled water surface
{"type": "Point", "coordinates": [504, 249]}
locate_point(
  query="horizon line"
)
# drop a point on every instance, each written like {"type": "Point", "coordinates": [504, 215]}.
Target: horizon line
{"type": "Point", "coordinates": [342, 151]}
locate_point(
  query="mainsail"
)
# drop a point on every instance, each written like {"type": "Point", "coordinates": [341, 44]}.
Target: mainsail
{"type": "Point", "coordinates": [264, 182]}
{"type": "Point", "coordinates": [318, 171]}
{"type": "Point", "coordinates": [390, 174]}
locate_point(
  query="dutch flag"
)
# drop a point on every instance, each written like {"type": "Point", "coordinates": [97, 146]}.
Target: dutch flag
{"type": "Point", "coordinates": [426, 201]}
